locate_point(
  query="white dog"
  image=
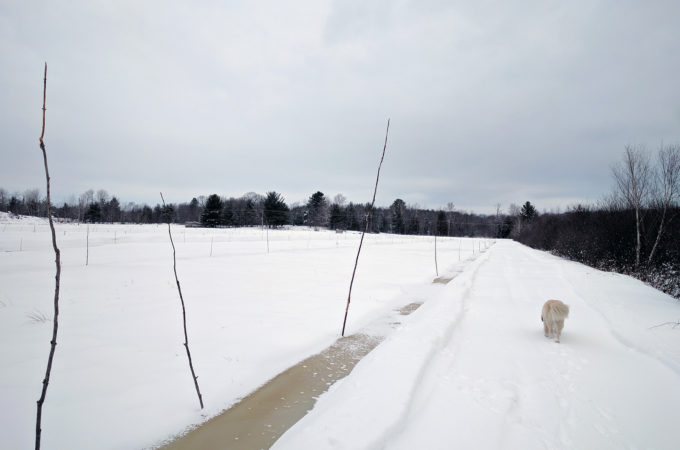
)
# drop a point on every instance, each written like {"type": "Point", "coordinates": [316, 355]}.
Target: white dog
{"type": "Point", "coordinates": [553, 314]}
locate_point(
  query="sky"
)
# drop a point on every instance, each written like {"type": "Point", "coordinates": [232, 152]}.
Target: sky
{"type": "Point", "coordinates": [490, 102]}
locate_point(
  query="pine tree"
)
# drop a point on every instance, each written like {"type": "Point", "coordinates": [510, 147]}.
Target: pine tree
{"type": "Point", "coordinates": [441, 225]}
{"type": "Point", "coordinates": [528, 212]}
{"type": "Point", "coordinates": [211, 213]}
{"type": "Point", "coordinates": [94, 213]}
{"type": "Point", "coordinates": [275, 210]}
{"type": "Point", "coordinates": [227, 215]}
{"type": "Point", "coordinates": [398, 209]}
{"type": "Point", "coordinates": [317, 210]}
{"type": "Point", "coordinates": [337, 220]}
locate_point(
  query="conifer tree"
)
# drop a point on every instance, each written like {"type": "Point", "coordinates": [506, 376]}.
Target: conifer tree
{"type": "Point", "coordinates": [211, 213]}
{"type": "Point", "coordinates": [528, 212]}
{"type": "Point", "coordinates": [275, 210]}
{"type": "Point", "coordinates": [317, 210]}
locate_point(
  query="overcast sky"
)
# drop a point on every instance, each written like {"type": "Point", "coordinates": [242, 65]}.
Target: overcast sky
{"type": "Point", "coordinates": [491, 102]}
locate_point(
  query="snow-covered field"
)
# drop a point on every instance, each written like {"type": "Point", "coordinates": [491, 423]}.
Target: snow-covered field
{"type": "Point", "coordinates": [468, 369]}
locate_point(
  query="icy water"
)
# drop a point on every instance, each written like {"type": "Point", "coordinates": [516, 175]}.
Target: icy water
{"type": "Point", "coordinates": [443, 279]}
{"type": "Point", "coordinates": [260, 418]}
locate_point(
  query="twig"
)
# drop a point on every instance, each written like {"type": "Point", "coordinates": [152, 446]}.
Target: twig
{"type": "Point", "coordinates": [184, 313]}
{"type": "Point", "coordinates": [368, 215]}
{"type": "Point", "coordinates": [675, 325]}
{"type": "Point", "coordinates": [57, 278]}
{"type": "Point", "coordinates": [436, 268]}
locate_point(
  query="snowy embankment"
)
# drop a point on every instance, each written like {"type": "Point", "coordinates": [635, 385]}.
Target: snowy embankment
{"type": "Point", "coordinates": [120, 378]}
{"type": "Point", "coordinates": [472, 369]}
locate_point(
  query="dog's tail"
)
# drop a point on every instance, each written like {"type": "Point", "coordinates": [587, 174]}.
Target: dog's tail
{"type": "Point", "coordinates": [559, 310]}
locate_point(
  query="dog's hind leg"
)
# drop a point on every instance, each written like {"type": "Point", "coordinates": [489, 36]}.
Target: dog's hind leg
{"type": "Point", "coordinates": [559, 327]}
{"type": "Point", "coordinates": [545, 329]}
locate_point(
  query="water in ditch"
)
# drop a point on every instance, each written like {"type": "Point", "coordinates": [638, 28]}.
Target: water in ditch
{"type": "Point", "coordinates": [259, 419]}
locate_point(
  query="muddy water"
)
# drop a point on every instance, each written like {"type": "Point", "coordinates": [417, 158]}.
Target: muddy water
{"type": "Point", "coordinates": [443, 279]}
{"type": "Point", "coordinates": [259, 419]}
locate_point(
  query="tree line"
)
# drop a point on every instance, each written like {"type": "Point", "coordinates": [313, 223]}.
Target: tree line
{"type": "Point", "coordinates": [271, 210]}
{"type": "Point", "coordinates": [636, 230]}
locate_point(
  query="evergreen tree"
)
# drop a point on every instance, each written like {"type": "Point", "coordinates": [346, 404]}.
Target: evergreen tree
{"type": "Point", "coordinates": [113, 210]}
{"type": "Point", "coordinates": [317, 210]}
{"type": "Point", "coordinates": [528, 212]}
{"type": "Point", "coordinates": [249, 214]}
{"type": "Point", "coordinates": [275, 210]}
{"type": "Point", "coordinates": [167, 212]}
{"type": "Point", "coordinates": [398, 209]}
{"type": "Point", "coordinates": [441, 225]}
{"type": "Point", "coordinates": [337, 219]}
{"type": "Point", "coordinates": [193, 210]}
{"type": "Point", "coordinates": [227, 215]}
{"type": "Point", "coordinates": [147, 214]}
{"type": "Point", "coordinates": [211, 213]}
{"type": "Point", "coordinates": [14, 205]}
{"type": "Point", "coordinates": [352, 217]}
{"type": "Point", "coordinates": [94, 213]}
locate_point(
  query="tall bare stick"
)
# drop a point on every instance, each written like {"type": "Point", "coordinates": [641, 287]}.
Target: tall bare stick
{"type": "Point", "coordinates": [57, 278]}
{"type": "Point", "coordinates": [368, 216]}
{"type": "Point", "coordinates": [436, 268]}
{"type": "Point", "coordinates": [184, 312]}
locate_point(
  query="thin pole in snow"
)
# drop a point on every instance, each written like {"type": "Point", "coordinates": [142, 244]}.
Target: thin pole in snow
{"type": "Point", "coordinates": [184, 313]}
{"type": "Point", "coordinates": [368, 215]}
{"type": "Point", "coordinates": [436, 269]}
{"type": "Point", "coordinates": [57, 278]}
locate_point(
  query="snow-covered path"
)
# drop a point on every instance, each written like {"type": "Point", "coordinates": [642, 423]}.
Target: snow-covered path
{"type": "Point", "coordinates": [472, 369]}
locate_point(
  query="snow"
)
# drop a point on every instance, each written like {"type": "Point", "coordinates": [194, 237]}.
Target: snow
{"type": "Point", "coordinates": [469, 369]}
{"type": "Point", "coordinates": [472, 369]}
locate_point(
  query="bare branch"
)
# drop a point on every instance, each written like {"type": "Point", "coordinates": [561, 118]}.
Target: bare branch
{"type": "Point", "coordinates": [368, 216]}
{"type": "Point", "coordinates": [674, 325]}
{"type": "Point", "coordinates": [633, 179]}
{"type": "Point", "coordinates": [667, 188]}
{"type": "Point", "coordinates": [57, 261]}
{"type": "Point", "coordinates": [184, 313]}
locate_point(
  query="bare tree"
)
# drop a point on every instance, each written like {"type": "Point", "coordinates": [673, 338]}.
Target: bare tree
{"type": "Point", "coordinates": [633, 178]}
{"type": "Point", "coordinates": [514, 212]}
{"type": "Point", "coordinates": [57, 261]}
{"type": "Point", "coordinates": [184, 311]}
{"type": "Point", "coordinates": [4, 200]}
{"type": "Point", "coordinates": [102, 196]}
{"type": "Point", "coordinates": [85, 200]}
{"type": "Point", "coordinates": [667, 188]}
{"type": "Point", "coordinates": [339, 200]}
{"type": "Point", "coordinates": [368, 221]}
{"type": "Point", "coordinates": [450, 207]}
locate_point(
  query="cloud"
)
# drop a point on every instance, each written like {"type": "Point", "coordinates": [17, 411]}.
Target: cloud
{"type": "Point", "coordinates": [489, 101]}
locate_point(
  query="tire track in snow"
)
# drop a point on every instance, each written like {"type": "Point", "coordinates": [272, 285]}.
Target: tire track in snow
{"type": "Point", "coordinates": [459, 379]}
{"type": "Point", "coordinates": [415, 342]}
{"type": "Point", "coordinates": [516, 389]}
{"type": "Point", "coordinates": [485, 377]}
{"type": "Point", "coordinates": [462, 290]}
